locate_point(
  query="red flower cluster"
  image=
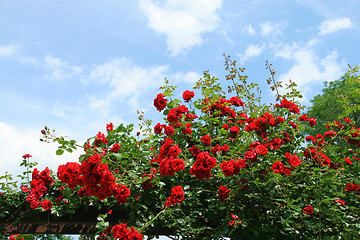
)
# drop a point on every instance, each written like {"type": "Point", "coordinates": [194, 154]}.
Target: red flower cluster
{"type": "Point", "coordinates": [147, 183]}
{"type": "Point", "coordinates": [293, 159]}
{"type": "Point", "coordinates": [223, 194]}
{"type": "Point", "coordinates": [15, 237]}
{"type": "Point", "coordinates": [160, 102]}
{"type": "Point", "coordinates": [96, 178]}
{"type": "Point", "coordinates": [308, 210]}
{"type": "Point", "coordinates": [109, 127]}
{"type": "Point", "coordinates": [194, 150]}
{"type": "Point", "coordinates": [317, 140]}
{"type": "Point", "coordinates": [342, 202]}
{"type": "Point", "coordinates": [232, 167]}
{"type": "Point", "coordinates": [235, 101]}
{"type": "Point", "coordinates": [292, 107]}
{"type": "Point", "coordinates": [188, 95]}
{"type": "Point", "coordinates": [311, 120]}
{"type": "Point", "coordinates": [223, 149]}
{"type": "Point", "coordinates": [354, 136]}
{"type": "Point", "coordinates": [121, 232]}
{"type": "Point", "coordinates": [203, 165]}
{"type": "Point", "coordinates": [70, 174]}
{"type": "Point", "coordinates": [100, 138]}
{"type": "Point", "coordinates": [315, 155]}
{"type": "Point", "coordinates": [278, 167]}
{"type": "Point", "coordinates": [167, 160]}
{"type": "Point", "coordinates": [206, 139]}
{"type": "Point", "coordinates": [220, 107]}
{"type": "Point", "coordinates": [26, 156]}
{"type": "Point", "coordinates": [329, 133]}
{"type": "Point", "coordinates": [234, 130]}
{"type": "Point", "coordinates": [115, 148]}
{"type": "Point", "coordinates": [175, 114]}
{"type": "Point", "coordinates": [234, 217]}
{"type": "Point", "coordinates": [158, 128]}
{"type": "Point", "coordinates": [261, 124]}
{"type": "Point", "coordinates": [39, 186]}
{"type": "Point", "coordinates": [351, 187]}
{"type": "Point", "coordinates": [169, 131]}
{"type": "Point", "coordinates": [177, 196]}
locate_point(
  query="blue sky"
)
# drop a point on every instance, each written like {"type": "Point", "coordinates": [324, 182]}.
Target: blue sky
{"type": "Point", "coordinates": [77, 65]}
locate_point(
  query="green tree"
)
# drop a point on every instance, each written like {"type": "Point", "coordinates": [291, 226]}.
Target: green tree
{"type": "Point", "coordinates": [339, 99]}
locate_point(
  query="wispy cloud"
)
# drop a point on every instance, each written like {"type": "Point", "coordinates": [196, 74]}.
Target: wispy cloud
{"type": "Point", "coordinates": [330, 26]}
{"type": "Point", "coordinates": [125, 80]}
{"type": "Point", "coordinates": [253, 50]}
{"type": "Point", "coordinates": [272, 28]}
{"type": "Point", "coordinates": [249, 30]}
{"type": "Point", "coordinates": [183, 22]}
{"type": "Point", "coordinates": [308, 68]}
{"type": "Point", "coordinates": [9, 50]}
{"type": "Point", "coordinates": [57, 69]}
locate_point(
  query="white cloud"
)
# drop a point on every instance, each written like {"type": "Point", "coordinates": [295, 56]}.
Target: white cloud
{"type": "Point", "coordinates": [308, 69]}
{"type": "Point", "coordinates": [182, 21]}
{"type": "Point", "coordinates": [9, 49]}
{"type": "Point", "coordinates": [58, 69]}
{"type": "Point", "coordinates": [272, 29]}
{"type": "Point", "coordinates": [189, 77]}
{"type": "Point", "coordinates": [330, 26]}
{"type": "Point", "coordinates": [17, 142]}
{"type": "Point", "coordinates": [126, 81]}
{"type": "Point", "coordinates": [249, 30]}
{"type": "Point", "coordinates": [251, 51]}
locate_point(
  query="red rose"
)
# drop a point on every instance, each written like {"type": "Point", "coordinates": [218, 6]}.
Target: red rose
{"type": "Point", "coordinates": [158, 128]}
{"type": "Point", "coordinates": [109, 127]}
{"type": "Point", "coordinates": [188, 95]}
{"type": "Point", "coordinates": [293, 159]}
{"type": "Point", "coordinates": [308, 210]}
{"type": "Point", "coordinates": [234, 130]}
{"type": "Point", "coordinates": [223, 194]}
{"type": "Point", "coordinates": [160, 102]}
{"type": "Point", "coordinates": [46, 204]}
{"type": "Point", "coordinates": [236, 102]}
{"type": "Point", "coordinates": [352, 187]}
{"type": "Point", "coordinates": [115, 148]}
{"type": "Point", "coordinates": [34, 204]}
{"type": "Point", "coordinates": [348, 160]}
{"type": "Point", "coordinates": [169, 130]}
{"type": "Point", "coordinates": [27, 156]}
{"type": "Point", "coordinates": [100, 137]}
{"type": "Point", "coordinates": [203, 165]}
{"type": "Point", "coordinates": [206, 139]}
{"type": "Point", "coordinates": [147, 183]}
{"type": "Point", "coordinates": [123, 193]}
{"type": "Point", "coordinates": [261, 149]}
{"type": "Point", "coordinates": [278, 167]}
{"type": "Point", "coordinates": [194, 150]}
{"type": "Point", "coordinates": [347, 120]}
{"type": "Point", "coordinates": [342, 202]}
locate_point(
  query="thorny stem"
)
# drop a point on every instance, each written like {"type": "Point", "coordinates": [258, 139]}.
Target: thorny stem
{"type": "Point", "coordinates": [272, 72]}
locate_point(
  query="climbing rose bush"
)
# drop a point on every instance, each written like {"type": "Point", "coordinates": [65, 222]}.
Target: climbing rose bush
{"type": "Point", "coordinates": [219, 164]}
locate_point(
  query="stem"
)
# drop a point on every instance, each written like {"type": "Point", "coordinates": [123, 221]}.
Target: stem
{"type": "Point", "coordinates": [148, 223]}
{"type": "Point", "coordinates": [273, 79]}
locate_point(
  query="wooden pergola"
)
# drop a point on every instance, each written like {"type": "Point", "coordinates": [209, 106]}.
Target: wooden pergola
{"type": "Point", "coordinates": [82, 222]}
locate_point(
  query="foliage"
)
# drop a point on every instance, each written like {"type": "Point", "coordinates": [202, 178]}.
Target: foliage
{"type": "Point", "coordinates": [340, 99]}
{"type": "Point", "coordinates": [224, 165]}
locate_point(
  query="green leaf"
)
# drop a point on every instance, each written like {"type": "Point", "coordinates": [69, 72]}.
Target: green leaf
{"type": "Point", "coordinates": [59, 152]}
